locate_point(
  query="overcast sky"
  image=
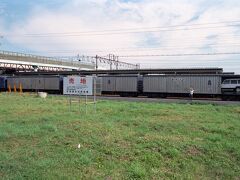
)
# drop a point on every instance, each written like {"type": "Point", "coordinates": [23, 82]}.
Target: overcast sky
{"type": "Point", "coordinates": [125, 28]}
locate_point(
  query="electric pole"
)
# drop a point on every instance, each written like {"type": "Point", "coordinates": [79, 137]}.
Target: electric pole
{"type": "Point", "coordinates": [1, 37]}
{"type": "Point", "coordinates": [96, 63]}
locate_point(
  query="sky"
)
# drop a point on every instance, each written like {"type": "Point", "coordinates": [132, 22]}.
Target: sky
{"type": "Point", "coordinates": [152, 33]}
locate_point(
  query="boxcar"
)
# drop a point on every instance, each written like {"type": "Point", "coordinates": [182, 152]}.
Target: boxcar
{"type": "Point", "coordinates": [123, 85]}
{"type": "Point", "coordinates": [108, 84]}
{"type": "Point", "coordinates": [179, 85]}
{"type": "Point", "coordinates": [3, 83]}
{"type": "Point", "coordinates": [36, 83]}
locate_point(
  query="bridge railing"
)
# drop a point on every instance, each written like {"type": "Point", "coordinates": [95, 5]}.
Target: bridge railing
{"type": "Point", "coordinates": [43, 59]}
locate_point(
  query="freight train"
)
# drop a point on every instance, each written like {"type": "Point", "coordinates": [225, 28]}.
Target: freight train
{"type": "Point", "coordinates": [172, 86]}
{"type": "Point", "coordinates": [51, 84]}
{"type": "Point", "coordinates": [139, 85]}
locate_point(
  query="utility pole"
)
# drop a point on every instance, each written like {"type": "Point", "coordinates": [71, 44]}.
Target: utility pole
{"type": "Point", "coordinates": [1, 37]}
{"type": "Point", "coordinates": [110, 58]}
{"type": "Point", "coordinates": [96, 63]}
{"type": "Point", "coordinates": [137, 66]}
{"type": "Point", "coordinates": [113, 62]}
{"type": "Point", "coordinates": [117, 62]}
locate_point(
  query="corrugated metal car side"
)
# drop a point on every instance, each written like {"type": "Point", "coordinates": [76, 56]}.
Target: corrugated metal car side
{"type": "Point", "coordinates": [108, 84]}
{"type": "Point", "coordinates": [155, 84]}
{"type": "Point", "coordinates": [26, 83]}
{"type": "Point", "coordinates": [38, 83]}
{"type": "Point", "coordinates": [127, 84]}
{"type": "Point", "coordinates": [52, 83]}
{"type": "Point", "coordinates": [3, 83]}
{"type": "Point", "coordinates": [11, 82]}
{"type": "Point", "coordinates": [178, 84]}
{"type": "Point", "coordinates": [202, 84]}
{"type": "Point", "coordinates": [206, 84]}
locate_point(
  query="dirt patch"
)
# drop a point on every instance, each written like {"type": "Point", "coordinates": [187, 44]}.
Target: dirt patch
{"type": "Point", "coordinates": [109, 178]}
{"type": "Point", "coordinates": [237, 110]}
{"type": "Point", "coordinates": [170, 138]}
{"type": "Point", "coordinates": [193, 151]}
{"type": "Point", "coordinates": [31, 111]}
{"type": "Point", "coordinates": [125, 159]}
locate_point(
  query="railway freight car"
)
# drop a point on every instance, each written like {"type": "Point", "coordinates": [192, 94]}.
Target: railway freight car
{"type": "Point", "coordinates": [123, 85]}
{"type": "Point", "coordinates": [180, 85]}
{"type": "Point", "coordinates": [3, 83]}
{"type": "Point", "coordinates": [52, 84]}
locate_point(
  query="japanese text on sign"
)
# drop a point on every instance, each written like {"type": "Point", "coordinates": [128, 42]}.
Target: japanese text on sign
{"type": "Point", "coordinates": [77, 85]}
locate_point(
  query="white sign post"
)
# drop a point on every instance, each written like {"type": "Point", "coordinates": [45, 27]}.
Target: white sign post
{"type": "Point", "coordinates": [78, 85]}
{"type": "Point", "coordinates": [81, 86]}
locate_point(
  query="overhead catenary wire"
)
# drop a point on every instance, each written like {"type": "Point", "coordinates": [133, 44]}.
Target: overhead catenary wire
{"type": "Point", "coordinates": [190, 54]}
{"type": "Point", "coordinates": [141, 49]}
{"type": "Point", "coordinates": [119, 51]}
{"type": "Point", "coordinates": [186, 44]}
{"type": "Point", "coordinates": [173, 55]}
{"type": "Point", "coordinates": [207, 37]}
{"type": "Point", "coordinates": [174, 29]}
{"type": "Point", "coordinates": [119, 32]}
{"type": "Point", "coordinates": [146, 30]}
{"type": "Point", "coordinates": [140, 28]}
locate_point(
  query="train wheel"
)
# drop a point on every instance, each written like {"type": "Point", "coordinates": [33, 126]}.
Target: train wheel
{"type": "Point", "coordinates": [150, 96]}
{"type": "Point", "coordinates": [225, 98]}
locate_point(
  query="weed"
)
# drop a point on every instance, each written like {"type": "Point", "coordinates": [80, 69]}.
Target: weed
{"type": "Point", "coordinates": [122, 140]}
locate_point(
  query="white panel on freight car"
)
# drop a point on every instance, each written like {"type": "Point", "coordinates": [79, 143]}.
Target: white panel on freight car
{"type": "Point", "coordinates": [77, 85]}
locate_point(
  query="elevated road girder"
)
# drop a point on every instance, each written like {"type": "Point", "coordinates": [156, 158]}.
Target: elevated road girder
{"type": "Point", "coordinates": [29, 62]}
{"type": "Point", "coordinates": [21, 66]}
{"type": "Point", "coordinates": [133, 71]}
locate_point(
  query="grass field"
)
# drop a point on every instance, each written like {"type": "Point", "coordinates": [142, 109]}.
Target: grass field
{"type": "Point", "coordinates": [123, 140]}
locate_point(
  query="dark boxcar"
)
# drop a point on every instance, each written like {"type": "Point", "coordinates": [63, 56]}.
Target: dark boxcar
{"type": "Point", "coordinates": [37, 83]}
{"type": "Point", "coordinates": [3, 83]}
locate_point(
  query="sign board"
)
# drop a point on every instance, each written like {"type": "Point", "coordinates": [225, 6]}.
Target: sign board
{"type": "Point", "coordinates": [78, 85]}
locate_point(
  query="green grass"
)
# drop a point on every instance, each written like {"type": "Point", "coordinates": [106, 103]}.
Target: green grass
{"type": "Point", "coordinates": [123, 140]}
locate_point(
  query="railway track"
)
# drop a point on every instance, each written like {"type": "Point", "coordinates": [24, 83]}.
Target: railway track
{"type": "Point", "coordinates": [170, 100]}
{"type": "Point", "coordinates": [215, 101]}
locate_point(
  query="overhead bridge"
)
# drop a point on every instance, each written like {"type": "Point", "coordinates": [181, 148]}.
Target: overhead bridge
{"type": "Point", "coordinates": [27, 62]}
{"type": "Point", "coordinates": [132, 71]}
